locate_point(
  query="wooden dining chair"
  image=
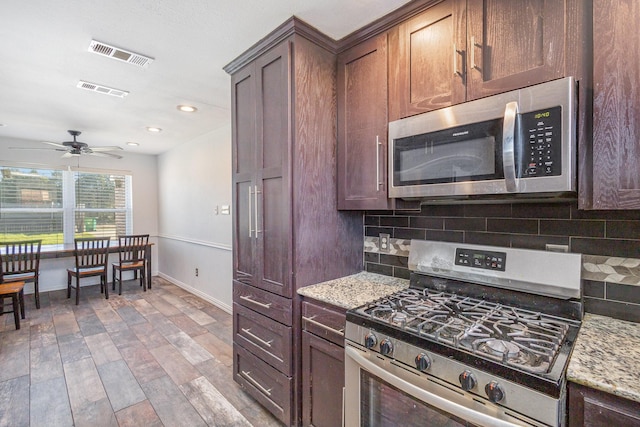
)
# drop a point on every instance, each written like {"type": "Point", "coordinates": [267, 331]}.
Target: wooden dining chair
{"type": "Point", "coordinates": [92, 256]}
{"type": "Point", "coordinates": [21, 263]}
{"type": "Point", "coordinates": [15, 291]}
{"type": "Point", "coordinates": [132, 256]}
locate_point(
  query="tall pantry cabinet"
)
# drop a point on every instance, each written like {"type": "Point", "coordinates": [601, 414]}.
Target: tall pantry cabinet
{"type": "Point", "coordinates": [287, 232]}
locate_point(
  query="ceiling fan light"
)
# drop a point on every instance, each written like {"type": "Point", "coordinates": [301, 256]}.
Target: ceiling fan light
{"type": "Point", "coordinates": [153, 129]}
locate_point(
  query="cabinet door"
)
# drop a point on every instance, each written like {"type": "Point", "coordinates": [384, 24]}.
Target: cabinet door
{"type": "Point", "coordinates": [362, 126]}
{"type": "Point", "coordinates": [243, 110]}
{"type": "Point", "coordinates": [322, 382]}
{"type": "Point", "coordinates": [426, 58]}
{"type": "Point", "coordinates": [513, 44]}
{"type": "Point", "coordinates": [592, 408]}
{"type": "Point", "coordinates": [272, 204]}
{"type": "Point", "coordinates": [616, 116]}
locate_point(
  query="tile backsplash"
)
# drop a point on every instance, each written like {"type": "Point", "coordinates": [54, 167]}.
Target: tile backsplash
{"type": "Point", "coordinates": [608, 240]}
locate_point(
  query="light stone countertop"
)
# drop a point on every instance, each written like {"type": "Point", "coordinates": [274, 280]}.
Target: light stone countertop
{"type": "Point", "coordinates": [355, 290]}
{"type": "Point", "coordinates": [606, 356]}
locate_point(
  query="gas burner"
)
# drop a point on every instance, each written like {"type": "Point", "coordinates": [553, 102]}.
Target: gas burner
{"type": "Point", "coordinates": [399, 318]}
{"type": "Point", "coordinates": [502, 348]}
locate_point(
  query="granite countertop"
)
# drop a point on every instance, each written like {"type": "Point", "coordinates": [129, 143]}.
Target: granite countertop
{"type": "Point", "coordinates": [355, 290]}
{"type": "Point", "coordinates": [605, 355]}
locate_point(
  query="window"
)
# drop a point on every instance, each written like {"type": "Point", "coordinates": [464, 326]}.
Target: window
{"type": "Point", "coordinates": [57, 206]}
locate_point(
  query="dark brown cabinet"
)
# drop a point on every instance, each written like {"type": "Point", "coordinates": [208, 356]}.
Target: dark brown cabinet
{"type": "Point", "coordinates": [590, 407]}
{"type": "Point", "coordinates": [322, 365]}
{"type": "Point", "coordinates": [427, 60]}
{"type": "Point", "coordinates": [613, 164]}
{"type": "Point", "coordinates": [458, 51]}
{"type": "Point", "coordinates": [362, 126]}
{"type": "Point", "coordinates": [287, 231]}
{"type": "Point", "coordinates": [260, 104]}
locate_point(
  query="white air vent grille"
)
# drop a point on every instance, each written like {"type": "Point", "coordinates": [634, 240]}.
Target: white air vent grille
{"type": "Point", "coordinates": [102, 89]}
{"type": "Point", "coordinates": [119, 54]}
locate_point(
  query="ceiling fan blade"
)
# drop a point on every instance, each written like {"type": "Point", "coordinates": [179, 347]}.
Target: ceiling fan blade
{"type": "Point", "coordinates": [102, 149]}
{"type": "Point", "coordinates": [55, 144]}
{"type": "Point", "coordinates": [102, 154]}
{"type": "Point", "coordinates": [35, 148]}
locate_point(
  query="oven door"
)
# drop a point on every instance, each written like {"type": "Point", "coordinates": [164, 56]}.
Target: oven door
{"type": "Point", "coordinates": [380, 392]}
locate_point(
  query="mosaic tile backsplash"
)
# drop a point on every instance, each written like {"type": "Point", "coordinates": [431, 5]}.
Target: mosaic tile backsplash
{"type": "Point", "coordinates": [608, 240]}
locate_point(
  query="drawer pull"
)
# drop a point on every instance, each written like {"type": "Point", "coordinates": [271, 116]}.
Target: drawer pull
{"type": "Point", "coordinates": [247, 375]}
{"type": "Point", "coordinates": [248, 299]}
{"type": "Point", "coordinates": [323, 326]}
{"type": "Point", "coordinates": [255, 337]}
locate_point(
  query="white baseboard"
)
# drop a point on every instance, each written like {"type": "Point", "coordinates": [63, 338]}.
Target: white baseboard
{"type": "Point", "coordinates": [221, 305]}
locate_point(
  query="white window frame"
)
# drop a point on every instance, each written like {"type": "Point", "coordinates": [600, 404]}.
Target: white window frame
{"type": "Point", "coordinates": [68, 208]}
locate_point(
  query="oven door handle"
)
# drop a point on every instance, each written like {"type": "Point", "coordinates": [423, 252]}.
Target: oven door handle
{"type": "Point", "coordinates": [508, 146]}
{"type": "Point", "coordinates": [441, 403]}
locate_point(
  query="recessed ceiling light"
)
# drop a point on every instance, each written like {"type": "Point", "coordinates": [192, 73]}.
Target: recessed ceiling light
{"type": "Point", "coordinates": [153, 129]}
{"type": "Point", "coordinates": [133, 144]}
{"type": "Point", "coordinates": [187, 108]}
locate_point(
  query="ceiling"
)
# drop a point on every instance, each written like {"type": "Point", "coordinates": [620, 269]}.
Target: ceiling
{"type": "Point", "coordinates": [44, 54]}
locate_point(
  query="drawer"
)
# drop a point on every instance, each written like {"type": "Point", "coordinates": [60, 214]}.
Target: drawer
{"type": "Point", "coordinates": [264, 337]}
{"type": "Point", "coordinates": [265, 384]}
{"type": "Point", "coordinates": [271, 305]}
{"type": "Point", "coordinates": [324, 322]}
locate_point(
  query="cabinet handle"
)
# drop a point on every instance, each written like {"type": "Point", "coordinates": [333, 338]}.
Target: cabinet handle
{"type": "Point", "coordinates": [255, 337]}
{"type": "Point", "coordinates": [455, 63]}
{"type": "Point", "coordinates": [255, 193]}
{"type": "Point", "coordinates": [247, 375]}
{"type": "Point", "coordinates": [473, 53]}
{"type": "Point", "coordinates": [378, 144]}
{"type": "Point", "coordinates": [323, 326]}
{"type": "Point", "coordinates": [250, 218]}
{"type": "Point", "coordinates": [248, 299]}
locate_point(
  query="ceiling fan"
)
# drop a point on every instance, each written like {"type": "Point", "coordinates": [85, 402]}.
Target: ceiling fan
{"type": "Point", "coordinates": [77, 148]}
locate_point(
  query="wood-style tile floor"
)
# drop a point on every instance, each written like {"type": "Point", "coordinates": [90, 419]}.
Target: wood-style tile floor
{"type": "Point", "coordinates": [157, 358]}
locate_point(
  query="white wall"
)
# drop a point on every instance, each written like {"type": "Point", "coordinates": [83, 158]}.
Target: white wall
{"type": "Point", "coordinates": [194, 179]}
{"type": "Point", "coordinates": [143, 168]}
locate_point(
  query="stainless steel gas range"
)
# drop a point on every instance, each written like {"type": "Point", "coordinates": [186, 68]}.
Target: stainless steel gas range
{"type": "Point", "coordinates": [482, 337]}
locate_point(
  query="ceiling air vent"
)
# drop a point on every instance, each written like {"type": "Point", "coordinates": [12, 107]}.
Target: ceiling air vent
{"type": "Point", "coordinates": [119, 54]}
{"type": "Point", "coordinates": [102, 89]}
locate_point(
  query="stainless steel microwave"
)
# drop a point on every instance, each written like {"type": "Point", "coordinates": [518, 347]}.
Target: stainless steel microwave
{"type": "Point", "coordinates": [518, 144]}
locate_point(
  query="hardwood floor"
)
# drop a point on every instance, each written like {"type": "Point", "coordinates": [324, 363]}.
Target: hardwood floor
{"type": "Point", "coordinates": [157, 358]}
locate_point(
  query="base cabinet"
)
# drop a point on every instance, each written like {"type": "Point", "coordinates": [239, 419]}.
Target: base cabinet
{"type": "Point", "coordinates": [322, 365]}
{"type": "Point", "coordinates": [589, 407]}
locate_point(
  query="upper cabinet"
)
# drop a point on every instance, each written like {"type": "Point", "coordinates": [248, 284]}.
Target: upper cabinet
{"type": "Point", "coordinates": [427, 60]}
{"type": "Point", "coordinates": [615, 160]}
{"type": "Point", "coordinates": [362, 126]}
{"type": "Point", "coordinates": [457, 51]}
{"type": "Point", "coordinates": [513, 44]}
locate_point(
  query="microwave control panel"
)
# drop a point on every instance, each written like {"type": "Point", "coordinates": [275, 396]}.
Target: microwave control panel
{"type": "Point", "coordinates": [487, 260]}
{"type": "Point", "coordinates": [542, 145]}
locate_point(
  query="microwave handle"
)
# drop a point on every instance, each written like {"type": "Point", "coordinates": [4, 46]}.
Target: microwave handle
{"type": "Point", "coordinates": [508, 146]}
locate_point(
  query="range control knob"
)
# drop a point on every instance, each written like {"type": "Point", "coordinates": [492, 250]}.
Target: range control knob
{"type": "Point", "coordinates": [370, 340]}
{"type": "Point", "coordinates": [423, 362]}
{"type": "Point", "coordinates": [467, 380]}
{"type": "Point", "coordinates": [494, 391]}
{"type": "Point", "coordinates": [386, 346]}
